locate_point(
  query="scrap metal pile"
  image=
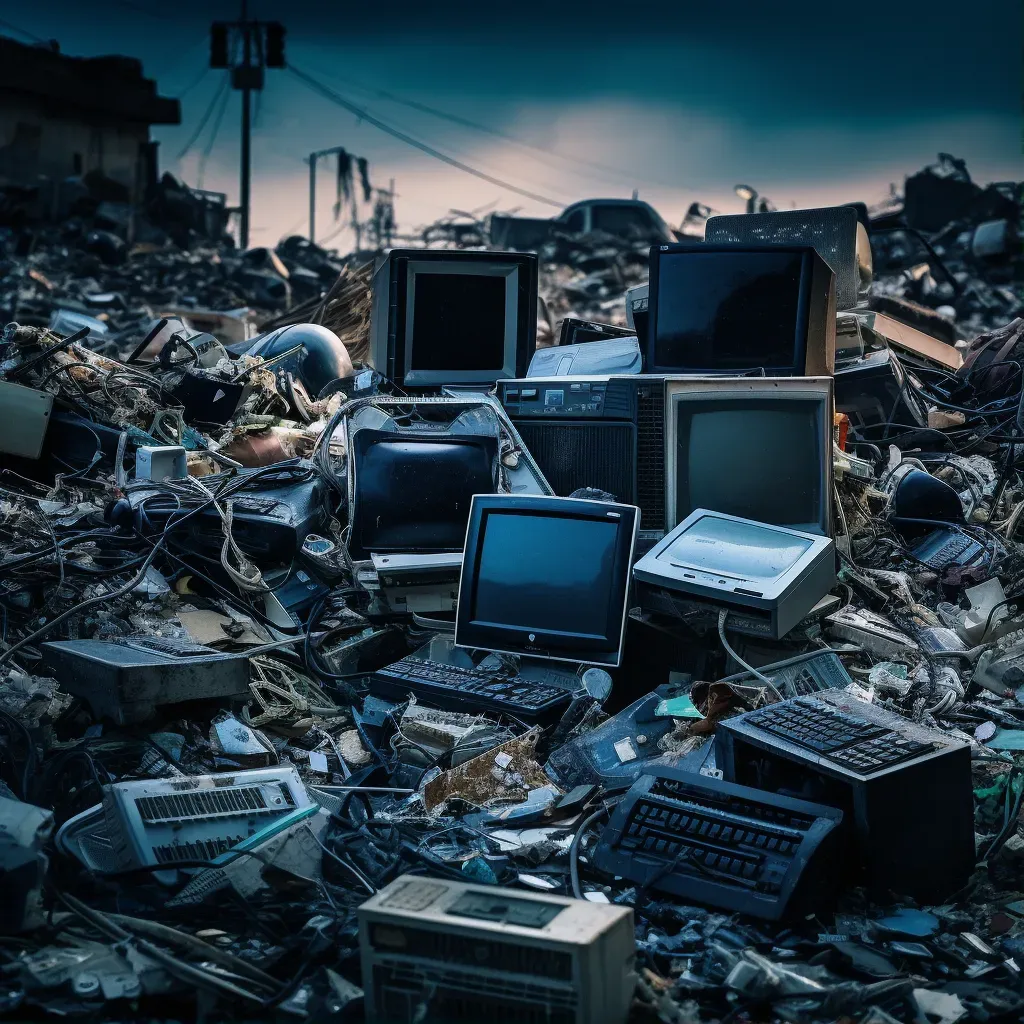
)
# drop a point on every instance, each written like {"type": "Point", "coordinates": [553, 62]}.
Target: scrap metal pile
{"type": "Point", "coordinates": [201, 783]}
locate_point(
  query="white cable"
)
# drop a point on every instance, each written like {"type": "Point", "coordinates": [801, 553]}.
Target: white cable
{"type": "Point", "coordinates": [722, 616]}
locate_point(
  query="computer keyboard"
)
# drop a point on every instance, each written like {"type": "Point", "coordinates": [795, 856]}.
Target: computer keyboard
{"type": "Point", "coordinates": [725, 845]}
{"type": "Point", "coordinates": [454, 688]}
{"type": "Point", "coordinates": [853, 742]}
{"type": "Point", "coordinates": [942, 548]}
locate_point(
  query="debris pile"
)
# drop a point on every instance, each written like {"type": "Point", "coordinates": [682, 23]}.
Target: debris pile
{"type": "Point", "coordinates": [263, 756]}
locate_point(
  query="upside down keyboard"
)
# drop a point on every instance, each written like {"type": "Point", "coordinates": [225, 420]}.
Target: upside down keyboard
{"type": "Point", "coordinates": [454, 688]}
{"type": "Point", "coordinates": [852, 742]}
{"type": "Point", "coordinates": [722, 844]}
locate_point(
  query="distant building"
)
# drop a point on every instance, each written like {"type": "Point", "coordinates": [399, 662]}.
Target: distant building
{"type": "Point", "coordinates": [64, 117]}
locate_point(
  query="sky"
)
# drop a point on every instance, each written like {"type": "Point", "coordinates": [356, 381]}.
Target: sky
{"type": "Point", "coordinates": [808, 103]}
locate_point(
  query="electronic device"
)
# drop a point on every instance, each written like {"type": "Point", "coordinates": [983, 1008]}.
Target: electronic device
{"type": "Point", "coordinates": [206, 398]}
{"type": "Point", "coordinates": [615, 752]}
{"type": "Point", "coordinates": [912, 345]}
{"type": "Point", "coordinates": [546, 578]}
{"type": "Point", "coordinates": [597, 432]}
{"type": "Point", "coordinates": [470, 690]}
{"type": "Point", "coordinates": [875, 390]}
{"type": "Point", "coordinates": [875, 634]}
{"type": "Point", "coordinates": [126, 680]}
{"type": "Point", "coordinates": [419, 583]}
{"type": "Point", "coordinates": [824, 671]}
{"type": "Point", "coordinates": [580, 332]}
{"type": "Point", "coordinates": [902, 788]}
{"type": "Point", "coordinates": [321, 356]}
{"type": "Point", "coordinates": [947, 546]}
{"type": "Point", "coordinates": [160, 462]}
{"type": "Point", "coordinates": [732, 847]}
{"type": "Point", "coordinates": [25, 418]}
{"type": "Point", "coordinates": [434, 950]}
{"type": "Point", "coordinates": [849, 339]}
{"type": "Point", "coordinates": [732, 309]}
{"type": "Point", "coordinates": [835, 232]}
{"type": "Point", "coordinates": [731, 562]}
{"type": "Point", "coordinates": [175, 820]}
{"type": "Point", "coordinates": [613, 356]}
{"type": "Point", "coordinates": [270, 519]}
{"type": "Point", "coordinates": [758, 448]}
{"type": "Point", "coordinates": [411, 492]}
{"type": "Point", "coordinates": [453, 316]}
{"type": "Point", "coordinates": [638, 310]}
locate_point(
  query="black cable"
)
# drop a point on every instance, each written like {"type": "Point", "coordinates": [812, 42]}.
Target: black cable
{"type": "Point", "coordinates": [213, 138]}
{"type": "Point", "coordinates": [222, 88]}
{"type": "Point", "coordinates": [366, 116]}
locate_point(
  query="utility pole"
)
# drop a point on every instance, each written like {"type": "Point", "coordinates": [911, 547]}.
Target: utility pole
{"type": "Point", "coordinates": [262, 46]}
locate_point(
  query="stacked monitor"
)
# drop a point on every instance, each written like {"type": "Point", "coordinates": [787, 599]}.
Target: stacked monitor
{"type": "Point", "coordinates": [453, 317]}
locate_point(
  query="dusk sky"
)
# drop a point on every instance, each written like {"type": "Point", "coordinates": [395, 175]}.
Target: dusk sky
{"type": "Point", "coordinates": [810, 103]}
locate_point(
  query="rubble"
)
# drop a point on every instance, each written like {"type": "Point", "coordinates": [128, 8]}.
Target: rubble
{"type": "Point", "coordinates": [183, 621]}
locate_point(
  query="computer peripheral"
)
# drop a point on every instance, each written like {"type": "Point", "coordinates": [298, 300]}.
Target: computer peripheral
{"type": "Point", "coordinates": [452, 316]}
{"type": "Point", "coordinates": [412, 492]}
{"type": "Point", "coordinates": [126, 681]}
{"type": "Point", "coordinates": [580, 332]}
{"type": "Point", "coordinates": [421, 584]}
{"type": "Point", "coordinates": [638, 311]}
{"type": "Point", "coordinates": [902, 788]}
{"type": "Point", "coordinates": [616, 751]}
{"type": "Point", "coordinates": [876, 634]}
{"type": "Point", "coordinates": [736, 563]}
{"type": "Point", "coordinates": [175, 820]}
{"type": "Point", "coordinates": [612, 355]}
{"type": "Point", "coordinates": [597, 432]}
{"type": "Point", "coordinates": [732, 847]}
{"type": "Point", "coordinates": [546, 578]}
{"type": "Point", "coordinates": [457, 688]}
{"type": "Point", "coordinates": [719, 308]}
{"type": "Point", "coordinates": [946, 546]}
{"type": "Point", "coordinates": [756, 448]}
{"type": "Point", "coordinates": [436, 950]}
{"type": "Point", "coordinates": [874, 391]}
{"type": "Point", "coordinates": [834, 231]}
{"type": "Point", "coordinates": [810, 675]}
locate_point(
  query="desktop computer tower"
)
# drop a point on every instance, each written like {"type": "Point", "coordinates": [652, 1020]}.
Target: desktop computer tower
{"type": "Point", "coordinates": [605, 432]}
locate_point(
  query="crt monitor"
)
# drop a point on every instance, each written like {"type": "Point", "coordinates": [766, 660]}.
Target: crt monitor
{"type": "Point", "coordinates": [758, 448]}
{"type": "Point", "coordinates": [735, 308]}
{"type": "Point", "coordinates": [546, 577]}
{"type": "Point", "coordinates": [412, 493]}
{"type": "Point", "coordinates": [450, 317]}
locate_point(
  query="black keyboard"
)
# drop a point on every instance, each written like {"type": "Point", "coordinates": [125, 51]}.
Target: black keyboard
{"type": "Point", "coordinates": [942, 548]}
{"type": "Point", "coordinates": [853, 742]}
{"type": "Point", "coordinates": [454, 688]}
{"type": "Point", "coordinates": [728, 846]}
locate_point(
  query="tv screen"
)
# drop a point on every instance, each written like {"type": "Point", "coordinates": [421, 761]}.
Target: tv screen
{"type": "Point", "coordinates": [414, 494]}
{"type": "Point", "coordinates": [547, 573]}
{"type": "Point", "coordinates": [756, 458]}
{"type": "Point", "coordinates": [729, 311]}
{"type": "Point", "coordinates": [458, 322]}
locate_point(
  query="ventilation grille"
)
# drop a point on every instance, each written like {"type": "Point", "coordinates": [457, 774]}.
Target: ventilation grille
{"type": "Point", "coordinates": [573, 455]}
{"type": "Point", "coordinates": [650, 455]}
{"type": "Point", "coordinates": [832, 232]}
{"type": "Point", "coordinates": [200, 849]}
{"type": "Point", "coordinates": [210, 803]}
{"type": "Point", "coordinates": [476, 951]}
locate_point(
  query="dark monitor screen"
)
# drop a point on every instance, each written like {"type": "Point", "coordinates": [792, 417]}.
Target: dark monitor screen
{"type": "Point", "coordinates": [548, 577]}
{"type": "Point", "coordinates": [725, 311]}
{"type": "Point", "coordinates": [758, 459]}
{"type": "Point", "coordinates": [458, 322]}
{"type": "Point", "coordinates": [414, 494]}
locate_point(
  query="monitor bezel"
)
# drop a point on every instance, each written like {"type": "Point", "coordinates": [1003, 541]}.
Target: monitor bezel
{"type": "Point", "coordinates": [803, 318]}
{"type": "Point", "coordinates": [711, 389]}
{"type": "Point", "coordinates": [554, 645]}
{"type": "Point", "coordinates": [510, 342]}
{"type": "Point", "coordinates": [366, 438]}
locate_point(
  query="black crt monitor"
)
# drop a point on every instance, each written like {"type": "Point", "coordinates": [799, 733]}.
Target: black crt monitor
{"type": "Point", "coordinates": [757, 448]}
{"type": "Point", "coordinates": [547, 578]}
{"type": "Point", "coordinates": [412, 493]}
{"type": "Point", "coordinates": [735, 308]}
{"type": "Point", "coordinates": [451, 317]}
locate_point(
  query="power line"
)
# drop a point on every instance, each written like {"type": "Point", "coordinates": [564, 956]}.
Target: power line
{"type": "Point", "coordinates": [365, 115]}
{"type": "Point", "coordinates": [22, 31]}
{"type": "Point", "coordinates": [213, 138]}
{"type": "Point", "coordinates": [222, 88]}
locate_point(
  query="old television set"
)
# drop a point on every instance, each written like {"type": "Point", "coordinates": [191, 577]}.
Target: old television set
{"type": "Point", "coordinates": [732, 309]}
{"type": "Point", "coordinates": [451, 317]}
{"type": "Point", "coordinates": [758, 448]}
{"type": "Point", "coordinates": [547, 578]}
{"type": "Point", "coordinates": [412, 492]}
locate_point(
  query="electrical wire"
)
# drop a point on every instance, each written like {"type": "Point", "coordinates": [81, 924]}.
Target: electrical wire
{"type": "Point", "coordinates": [222, 88]}
{"type": "Point", "coordinates": [723, 615]}
{"type": "Point", "coordinates": [209, 149]}
{"type": "Point", "coordinates": [366, 116]}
